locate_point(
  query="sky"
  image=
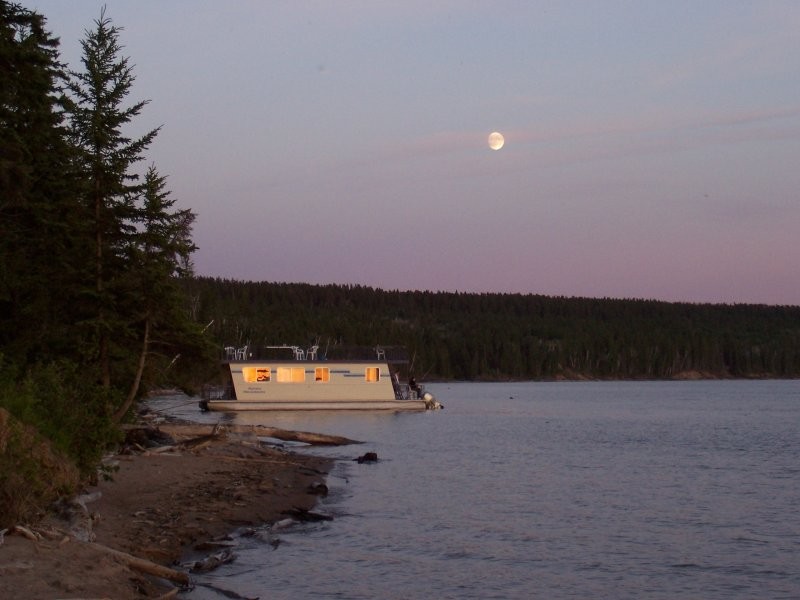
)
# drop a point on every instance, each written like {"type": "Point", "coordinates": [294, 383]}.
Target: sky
{"type": "Point", "coordinates": [652, 149]}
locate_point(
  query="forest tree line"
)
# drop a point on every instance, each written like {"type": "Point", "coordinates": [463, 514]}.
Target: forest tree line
{"type": "Point", "coordinates": [92, 247]}
{"type": "Point", "coordinates": [467, 336]}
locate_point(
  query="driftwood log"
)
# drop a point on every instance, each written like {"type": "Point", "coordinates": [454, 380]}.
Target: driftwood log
{"type": "Point", "coordinates": [212, 562]}
{"type": "Point", "coordinates": [306, 516]}
{"type": "Point", "coordinates": [316, 439]}
{"type": "Point", "coordinates": [198, 433]}
{"type": "Point", "coordinates": [145, 566]}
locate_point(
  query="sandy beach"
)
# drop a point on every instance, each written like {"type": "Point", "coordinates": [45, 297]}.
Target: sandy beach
{"type": "Point", "coordinates": [164, 506]}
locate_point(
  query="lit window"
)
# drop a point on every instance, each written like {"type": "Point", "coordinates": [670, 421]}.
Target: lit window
{"type": "Point", "coordinates": [322, 374]}
{"type": "Point", "coordinates": [373, 374]}
{"type": "Point", "coordinates": [291, 374]}
{"type": "Point", "coordinates": [256, 374]}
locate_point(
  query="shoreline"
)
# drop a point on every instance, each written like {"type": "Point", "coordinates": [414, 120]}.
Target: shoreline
{"type": "Point", "coordinates": [167, 505]}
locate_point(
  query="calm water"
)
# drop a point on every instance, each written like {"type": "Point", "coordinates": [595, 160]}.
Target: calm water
{"type": "Point", "coordinates": [549, 490]}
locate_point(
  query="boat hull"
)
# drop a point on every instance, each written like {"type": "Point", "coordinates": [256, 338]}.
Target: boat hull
{"type": "Point", "coordinates": [337, 405]}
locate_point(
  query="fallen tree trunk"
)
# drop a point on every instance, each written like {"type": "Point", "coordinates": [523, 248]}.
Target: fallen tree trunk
{"type": "Point", "coordinates": [145, 566]}
{"type": "Point", "coordinates": [214, 561]}
{"type": "Point", "coordinates": [317, 439]}
{"type": "Point", "coordinates": [209, 431]}
{"type": "Point", "coordinates": [307, 516]}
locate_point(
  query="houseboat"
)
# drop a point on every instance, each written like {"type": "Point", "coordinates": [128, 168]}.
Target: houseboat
{"type": "Point", "coordinates": [294, 378]}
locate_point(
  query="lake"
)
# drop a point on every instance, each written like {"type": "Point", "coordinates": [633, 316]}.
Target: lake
{"type": "Point", "coordinates": [545, 490]}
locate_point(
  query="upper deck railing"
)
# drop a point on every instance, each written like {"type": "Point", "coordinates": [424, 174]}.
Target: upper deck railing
{"type": "Point", "coordinates": [392, 354]}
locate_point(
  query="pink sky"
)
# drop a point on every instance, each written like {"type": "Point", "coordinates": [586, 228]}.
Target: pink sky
{"type": "Point", "coordinates": [652, 149]}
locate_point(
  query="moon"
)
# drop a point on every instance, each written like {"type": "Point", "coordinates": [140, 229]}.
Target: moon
{"type": "Point", "coordinates": [496, 140]}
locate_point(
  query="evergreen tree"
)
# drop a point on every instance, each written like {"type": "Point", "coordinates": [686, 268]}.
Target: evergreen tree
{"type": "Point", "coordinates": [40, 221]}
{"type": "Point", "coordinates": [42, 251]}
{"type": "Point", "coordinates": [107, 158]}
{"type": "Point", "coordinates": [158, 252]}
